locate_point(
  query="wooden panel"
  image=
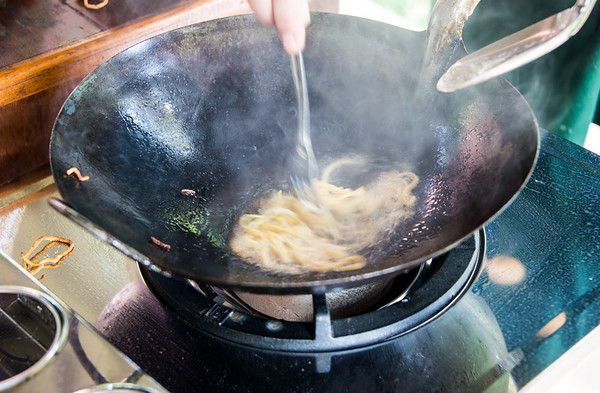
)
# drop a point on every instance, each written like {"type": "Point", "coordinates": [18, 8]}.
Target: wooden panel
{"type": "Point", "coordinates": [23, 186]}
{"type": "Point", "coordinates": [31, 27]}
{"type": "Point", "coordinates": [25, 128]}
{"type": "Point", "coordinates": [78, 59]}
{"type": "Point", "coordinates": [119, 12]}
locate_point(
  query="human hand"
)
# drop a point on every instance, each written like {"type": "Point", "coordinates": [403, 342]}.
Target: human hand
{"type": "Point", "coordinates": [290, 17]}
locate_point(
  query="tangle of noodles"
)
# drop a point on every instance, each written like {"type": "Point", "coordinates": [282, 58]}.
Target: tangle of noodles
{"type": "Point", "coordinates": [292, 235]}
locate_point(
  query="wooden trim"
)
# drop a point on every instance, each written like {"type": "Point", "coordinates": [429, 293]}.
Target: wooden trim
{"type": "Point", "coordinates": [28, 199]}
{"type": "Point", "coordinates": [23, 184]}
{"type": "Point", "coordinates": [76, 60]}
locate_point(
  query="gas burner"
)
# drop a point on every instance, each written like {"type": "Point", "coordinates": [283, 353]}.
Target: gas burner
{"type": "Point", "coordinates": [411, 301]}
{"type": "Point", "coordinates": [300, 308]}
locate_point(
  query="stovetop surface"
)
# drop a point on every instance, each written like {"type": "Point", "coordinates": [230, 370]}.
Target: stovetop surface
{"type": "Point", "coordinates": [553, 229]}
{"type": "Point", "coordinates": [540, 284]}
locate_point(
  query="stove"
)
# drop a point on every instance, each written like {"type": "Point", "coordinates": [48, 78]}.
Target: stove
{"type": "Point", "coordinates": [491, 315]}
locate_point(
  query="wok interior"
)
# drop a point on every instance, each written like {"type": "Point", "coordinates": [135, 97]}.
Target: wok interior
{"type": "Point", "coordinates": [211, 108]}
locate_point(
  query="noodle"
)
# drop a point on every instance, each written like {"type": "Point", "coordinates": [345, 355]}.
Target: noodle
{"type": "Point", "coordinates": [32, 265]}
{"type": "Point", "coordinates": [326, 233]}
{"type": "Point", "coordinates": [74, 172]}
{"type": "Point", "coordinates": [160, 244]}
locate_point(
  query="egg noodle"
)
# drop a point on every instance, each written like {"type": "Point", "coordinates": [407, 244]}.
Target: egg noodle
{"type": "Point", "coordinates": [326, 231]}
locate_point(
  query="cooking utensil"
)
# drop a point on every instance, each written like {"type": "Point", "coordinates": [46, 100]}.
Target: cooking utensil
{"type": "Point", "coordinates": [517, 49]}
{"type": "Point", "coordinates": [303, 164]}
{"type": "Point", "coordinates": [208, 108]}
{"type": "Point", "coordinates": [444, 43]}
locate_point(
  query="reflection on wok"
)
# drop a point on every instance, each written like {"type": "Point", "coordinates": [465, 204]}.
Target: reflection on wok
{"type": "Point", "coordinates": [210, 108]}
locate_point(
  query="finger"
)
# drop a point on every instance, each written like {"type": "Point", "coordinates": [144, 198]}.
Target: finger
{"type": "Point", "coordinates": [291, 18]}
{"type": "Point", "coordinates": [263, 10]}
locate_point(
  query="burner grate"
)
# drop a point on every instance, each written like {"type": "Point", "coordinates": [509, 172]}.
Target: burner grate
{"type": "Point", "coordinates": [448, 278]}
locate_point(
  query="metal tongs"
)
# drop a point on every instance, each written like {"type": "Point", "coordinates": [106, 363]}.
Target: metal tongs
{"type": "Point", "coordinates": [517, 49]}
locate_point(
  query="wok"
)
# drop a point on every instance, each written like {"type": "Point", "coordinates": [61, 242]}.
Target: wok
{"type": "Point", "coordinates": [211, 108]}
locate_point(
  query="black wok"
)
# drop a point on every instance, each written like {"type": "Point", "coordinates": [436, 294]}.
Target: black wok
{"type": "Point", "coordinates": [211, 108]}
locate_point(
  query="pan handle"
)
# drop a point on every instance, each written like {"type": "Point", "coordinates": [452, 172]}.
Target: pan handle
{"type": "Point", "coordinates": [517, 49]}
